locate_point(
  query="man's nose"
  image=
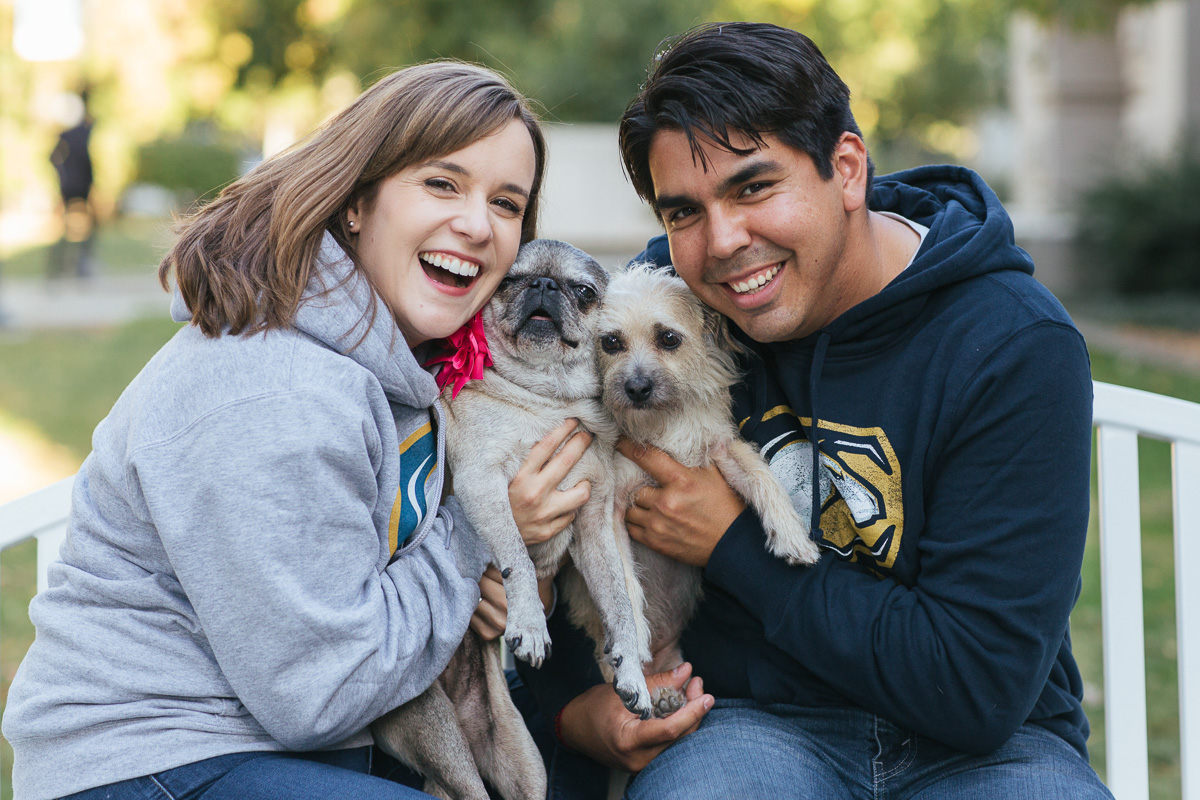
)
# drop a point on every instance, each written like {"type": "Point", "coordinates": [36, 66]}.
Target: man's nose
{"type": "Point", "coordinates": [727, 233]}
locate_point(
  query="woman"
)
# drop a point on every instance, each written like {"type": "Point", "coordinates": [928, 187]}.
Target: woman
{"type": "Point", "coordinates": [259, 562]}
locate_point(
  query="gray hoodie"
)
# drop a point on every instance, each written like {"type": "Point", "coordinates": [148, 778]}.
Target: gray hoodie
{"type": "Point", "coordinates": [228, 581]}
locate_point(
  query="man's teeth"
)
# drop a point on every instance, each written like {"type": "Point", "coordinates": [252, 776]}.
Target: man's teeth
{"type": "Point", "coordinates": [451, 264]}
{"type": "Point", "coordinates": [757, 282]}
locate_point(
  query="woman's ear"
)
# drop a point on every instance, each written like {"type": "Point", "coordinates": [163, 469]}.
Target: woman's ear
{"type": "Point", "coordinates": [353, 218]}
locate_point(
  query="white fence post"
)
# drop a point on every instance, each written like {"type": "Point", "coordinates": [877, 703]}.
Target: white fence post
{"type": "Point", "coordinates": [1186, 479]}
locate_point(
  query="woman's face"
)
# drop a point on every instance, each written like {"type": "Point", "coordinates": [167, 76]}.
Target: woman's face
{"type": "Point", "coordinates": [441, 235]}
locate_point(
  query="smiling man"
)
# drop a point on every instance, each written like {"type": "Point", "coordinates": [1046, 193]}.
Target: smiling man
{"type": "Point", "coordinates": [894, 323]}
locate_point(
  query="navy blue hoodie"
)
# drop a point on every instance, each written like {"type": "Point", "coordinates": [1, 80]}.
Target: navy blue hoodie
{"type": "Point", "coordinates": [954, 430]}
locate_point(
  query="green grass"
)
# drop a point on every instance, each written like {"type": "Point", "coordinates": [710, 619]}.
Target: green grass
{"type": "Point", "coordinates": [124, 246]}
{"type": "Point", "coordinates": [62, 384]}
{"type": "Point", "coordinates": [1159, 588]}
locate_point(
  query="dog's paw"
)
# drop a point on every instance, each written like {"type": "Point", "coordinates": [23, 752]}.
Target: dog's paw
{"type": "Point", "coordinates": [630, 685]}
{"type": "Point", "coordinates": [798, 553]}
{"type": "Point", "coordinates": [787, 538]}
{"type": "Point", "coordinates": [666, 700]}
{"type": "Point", "coordinates": [528, 642]}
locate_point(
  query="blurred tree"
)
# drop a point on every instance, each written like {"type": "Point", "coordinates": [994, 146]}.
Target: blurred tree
{"type": "Point", "coordinates": [919, 70]}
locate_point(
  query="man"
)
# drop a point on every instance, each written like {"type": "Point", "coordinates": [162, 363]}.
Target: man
{"type": "Point", "coordinates": [895, 323]}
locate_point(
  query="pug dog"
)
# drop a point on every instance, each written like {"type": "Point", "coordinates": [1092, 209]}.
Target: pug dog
{"type": "Point", "coordinates": [541, 326]}
{"type": "Point", "coordinates": [667, 366]}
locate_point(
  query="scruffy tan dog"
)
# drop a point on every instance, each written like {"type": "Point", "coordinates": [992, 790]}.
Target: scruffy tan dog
{"type": "Point", "coordinates": [666, 372]}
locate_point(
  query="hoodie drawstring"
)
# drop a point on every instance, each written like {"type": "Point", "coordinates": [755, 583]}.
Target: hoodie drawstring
{"type": "Point", "coordinates": [817, 364]}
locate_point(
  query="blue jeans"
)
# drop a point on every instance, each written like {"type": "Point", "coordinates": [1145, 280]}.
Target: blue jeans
{"type": "Point", "coordinates": [748, 751]}
{"type": "Point", "coordinates": [342, 774]}
{"type": "Point", "coordinates": [366, 772]}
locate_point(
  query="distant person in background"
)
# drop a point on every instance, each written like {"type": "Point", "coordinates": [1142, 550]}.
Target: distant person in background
{"type": "Point", "coordinates": [73, 163]}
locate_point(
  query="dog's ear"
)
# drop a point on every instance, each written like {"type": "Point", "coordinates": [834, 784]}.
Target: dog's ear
{"type": "Point", "coordinates": [716, 330]}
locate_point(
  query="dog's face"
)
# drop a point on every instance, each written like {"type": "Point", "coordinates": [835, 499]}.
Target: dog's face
{"type": "Point", "coordinates": [543, 317]}
{"type": "Point", "coordinates": [657, 346]}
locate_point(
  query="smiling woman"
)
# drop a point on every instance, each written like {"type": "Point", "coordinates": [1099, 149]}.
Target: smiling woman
{"type": "Point", "coordinates": [260, 558]}
{"type": "Point", "coordinates": [438, 237]}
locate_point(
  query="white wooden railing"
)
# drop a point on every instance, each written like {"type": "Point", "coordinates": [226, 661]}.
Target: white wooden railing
{"type": "Point", "coordinates": [1121, 416]}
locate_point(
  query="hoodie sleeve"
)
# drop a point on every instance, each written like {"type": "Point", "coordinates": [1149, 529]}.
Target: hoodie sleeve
{"type": "Point", "coordinates": [265, 509]}
{"type": "Point", "coordinates": [963, 654]}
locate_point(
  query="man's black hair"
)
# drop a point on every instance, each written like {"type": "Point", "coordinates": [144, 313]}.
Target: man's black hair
{"type": "Point", "coordinates": [722, 79]}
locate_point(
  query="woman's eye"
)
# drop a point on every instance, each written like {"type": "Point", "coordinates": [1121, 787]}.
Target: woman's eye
{"type": "Point", "coordinates": [610, 343]}
{"type": "Point", "coordinates": [509, 206]}
{"type": "Point", "coordinates": [441, 184]}
{"type": "Point", "coordinates": [669, 340]}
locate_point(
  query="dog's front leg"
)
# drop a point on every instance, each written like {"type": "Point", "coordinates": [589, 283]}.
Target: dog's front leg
{"type": "Point", "coordinates": [749, 475]}
{"type": "Point", "coordinates": [607, 568]}
{"type": "Point", "coordinates": [485, 499]}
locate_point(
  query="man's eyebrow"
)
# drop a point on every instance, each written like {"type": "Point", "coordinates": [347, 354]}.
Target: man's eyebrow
{"type": "Point", "coordinates": [747, 173]}
{"type": "Point", "coordinates": [458, 169]}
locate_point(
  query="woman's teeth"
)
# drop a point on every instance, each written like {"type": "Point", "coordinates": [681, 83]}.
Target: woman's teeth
{"type": "Point", "coordinates": [450, 264]}
{"type": "Point", "coordinates": [757, 282]}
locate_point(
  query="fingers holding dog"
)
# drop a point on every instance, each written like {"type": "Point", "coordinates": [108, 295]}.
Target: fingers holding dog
{"type": "Point", "coordinates": [540, 509]}
{"type": "Point", "coordinates": [491, 614]}
{"type": "Point", "coordinates": [687, 513]}
{"type": "Point", "coordinates": [596, 722]}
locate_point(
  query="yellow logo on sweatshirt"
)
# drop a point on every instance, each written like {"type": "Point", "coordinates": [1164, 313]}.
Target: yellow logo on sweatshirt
{"type": "Point", "coordinates": [862, 502]}
{"type": "Point", "coordinates": [418, 463]}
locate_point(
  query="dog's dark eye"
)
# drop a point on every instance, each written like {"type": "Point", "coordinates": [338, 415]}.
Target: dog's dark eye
{"type": "Point", "coordinates": [610, 343]}
{"type": "Point", "coordinates": [585, 293]}
{"type": "Point", "coordinates": [669, 340]}
{"type": "Point", "coordinates": [506, 282]}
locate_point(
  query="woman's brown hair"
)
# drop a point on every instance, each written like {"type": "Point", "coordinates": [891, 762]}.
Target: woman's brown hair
{"type": "Point", "coordinates": [243, 261]}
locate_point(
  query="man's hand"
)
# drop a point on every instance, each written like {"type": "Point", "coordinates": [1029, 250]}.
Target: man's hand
{"type": "Point", "coordinates": [687, 514]}
{"type": "Point", "coordinates": [492, 613]}
{"type": "Point", "coordinates": [598, 725]}
{"type": "Point", "coordinates": [539, 508]}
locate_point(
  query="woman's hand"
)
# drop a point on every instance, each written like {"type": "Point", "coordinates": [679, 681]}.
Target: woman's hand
{"type": "Point", "coordinates": [492, 614]}
{"type": "Point", "coordinates": [539, 508]}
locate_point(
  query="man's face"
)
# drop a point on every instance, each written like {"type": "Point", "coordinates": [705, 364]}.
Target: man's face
{"type": "Point", "coordinates": [762, 238]}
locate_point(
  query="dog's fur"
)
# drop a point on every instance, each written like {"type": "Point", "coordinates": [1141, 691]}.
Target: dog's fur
{"type": "Point", "coordinates": [541, 326]}
{"type": "Point", "coordinates": [667, 368]}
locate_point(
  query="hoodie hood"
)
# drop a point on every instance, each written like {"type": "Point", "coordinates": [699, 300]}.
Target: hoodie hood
{"type": "Point", "coordinates": [337, 310]}
{"type": "Point", "coordinates": [970, 234]}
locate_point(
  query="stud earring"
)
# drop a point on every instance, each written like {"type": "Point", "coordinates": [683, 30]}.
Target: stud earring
{"type": "Point", "coordinates": [351, 224]}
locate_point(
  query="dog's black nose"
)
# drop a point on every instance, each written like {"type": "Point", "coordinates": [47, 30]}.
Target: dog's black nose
{"type": "Point", "coordinates": [638, 388]}
{"type": "Point", "coordinates": [545, 284]}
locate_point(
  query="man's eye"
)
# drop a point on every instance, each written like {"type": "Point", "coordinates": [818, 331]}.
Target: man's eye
{"type": "Point", "coordinates": [680, 214]}
{"type": "Point", "coordinates": [610, 343]}
{"type": "Point", "coordinates": [669, 340]}
{"type": "Point", "coordinates": [754, 188]}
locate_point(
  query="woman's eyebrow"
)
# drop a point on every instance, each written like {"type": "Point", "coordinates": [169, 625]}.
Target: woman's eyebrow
{"type": "Point", "coordinates": [458, 169]}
